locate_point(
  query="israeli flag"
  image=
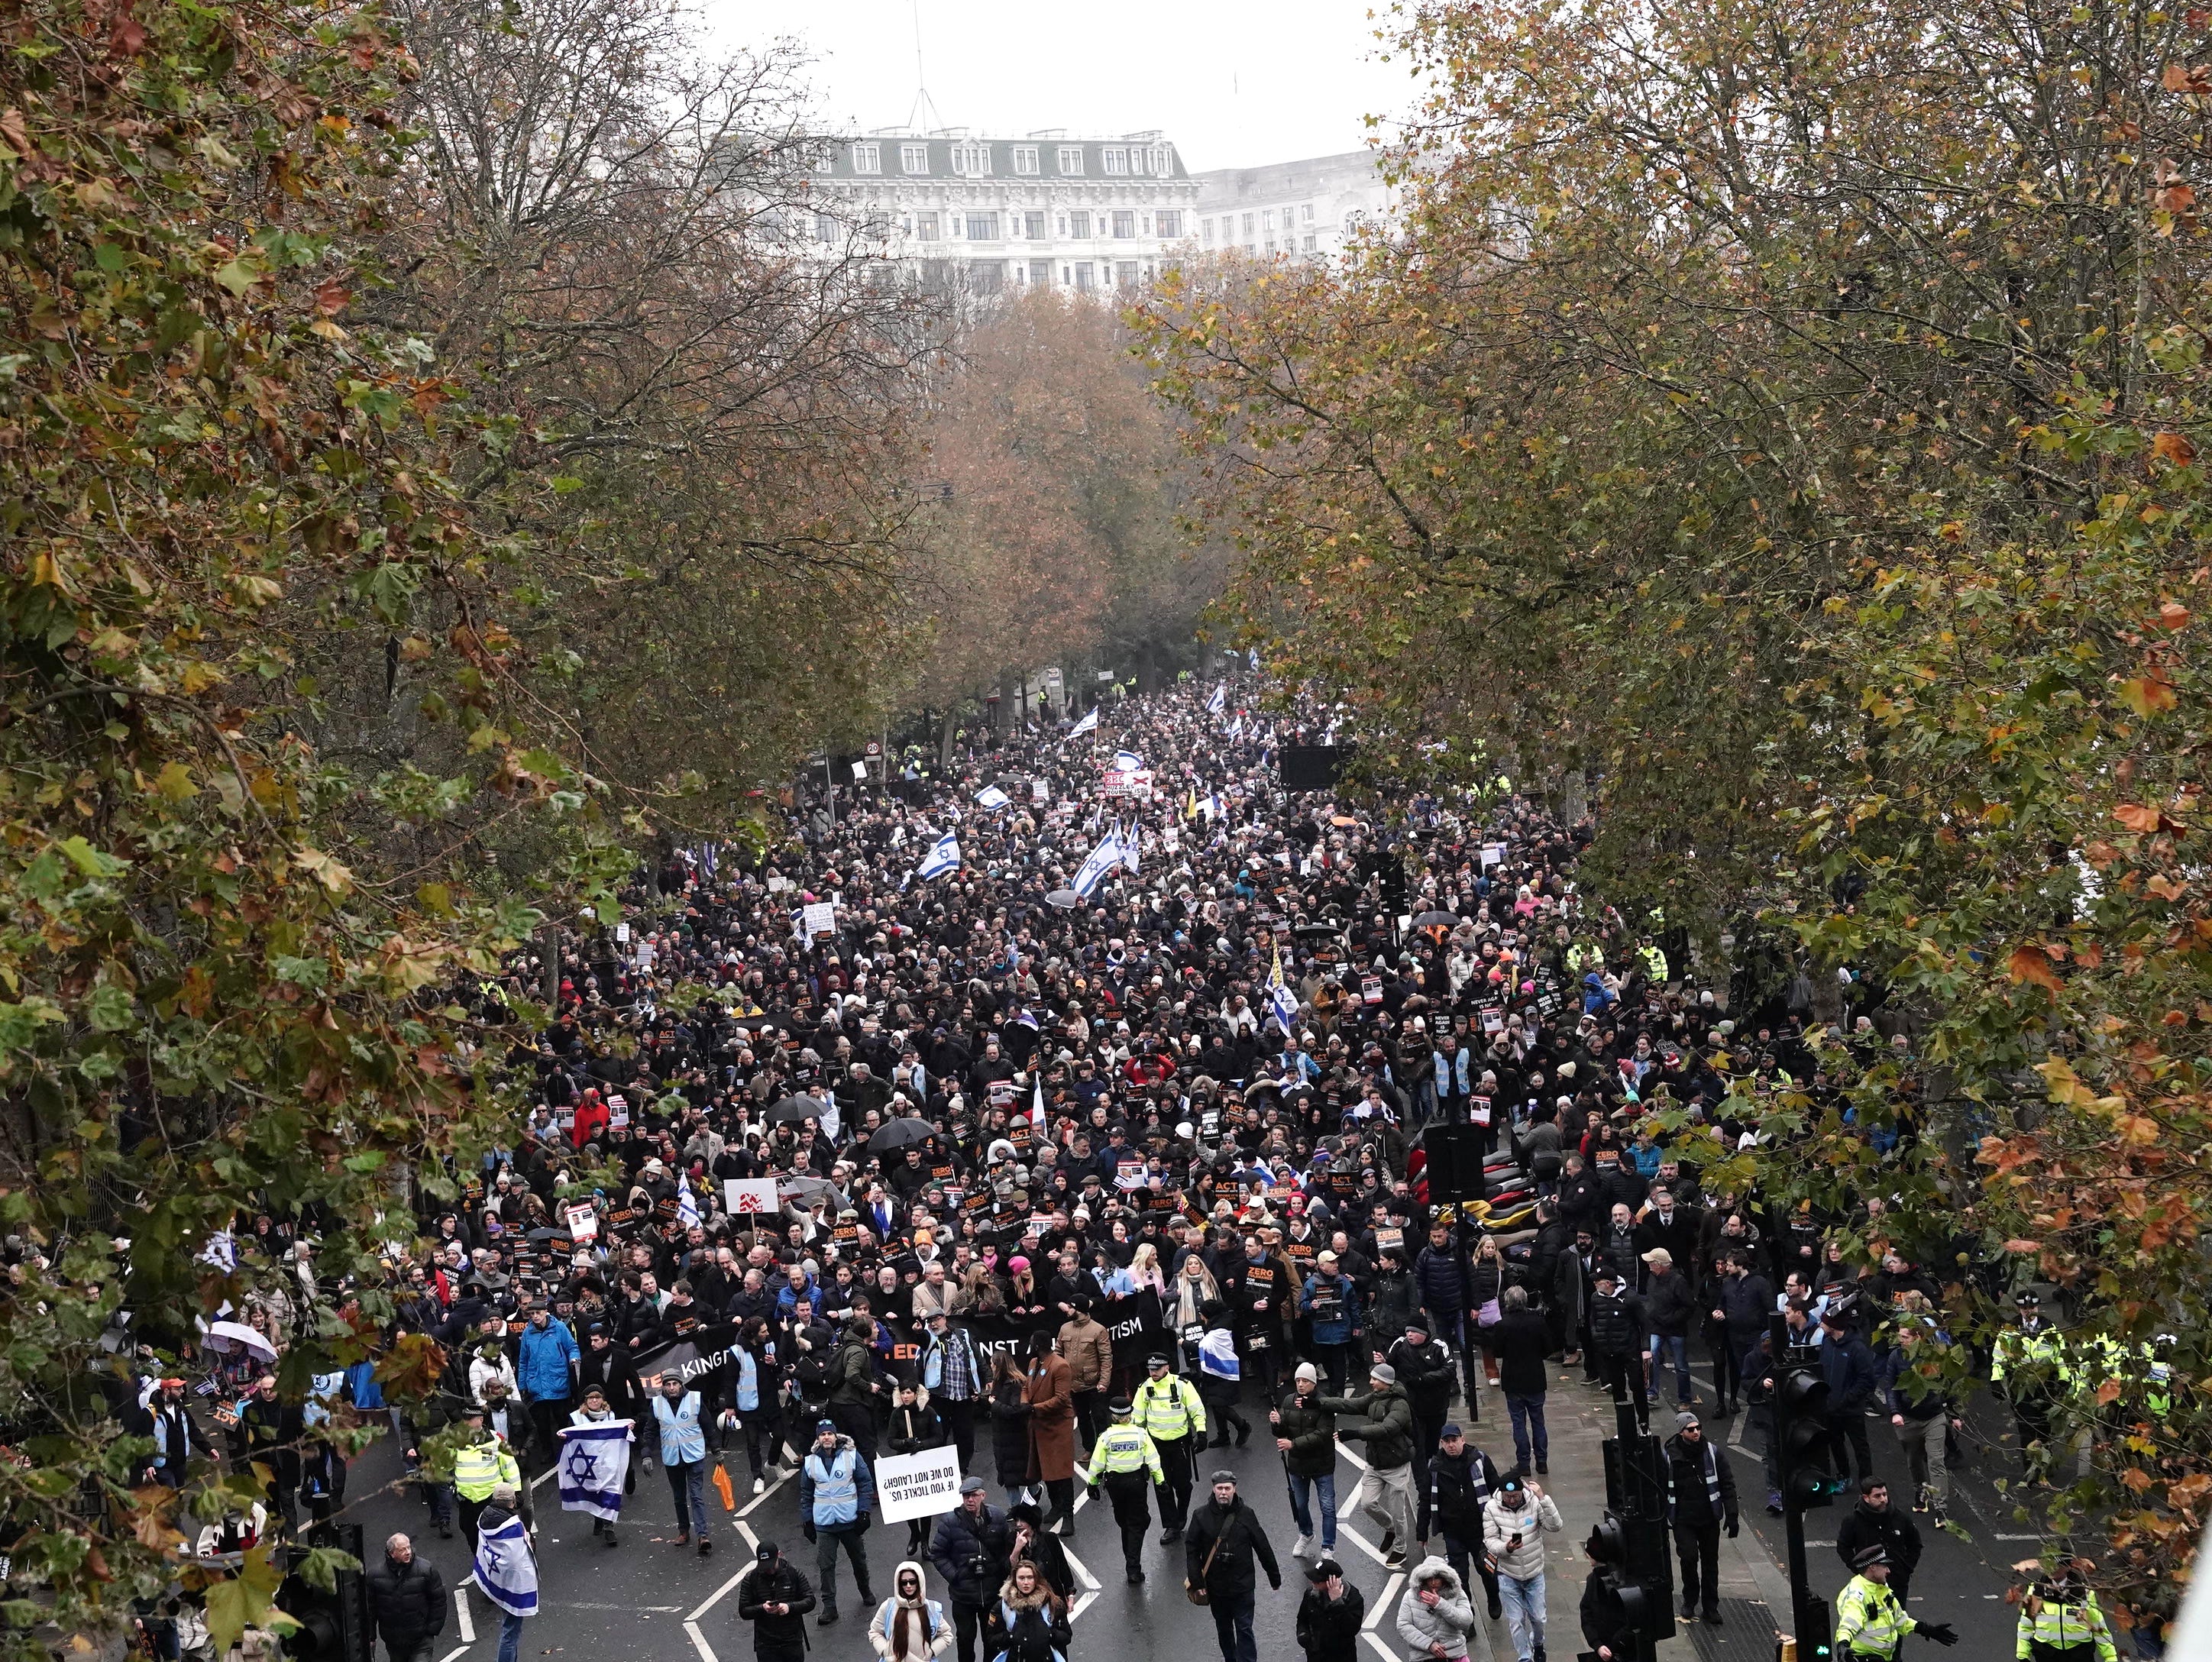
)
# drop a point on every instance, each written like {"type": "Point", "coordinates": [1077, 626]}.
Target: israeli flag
{"type": "Point", "coordinates": [504, 1568]}
{"type": "Point", "coordinates": [991, 797]}
{"type": "Point", "coordinates": [687, 1207]}
{"type": "Point", "coordinates": [1128, 842]}
{"type": "Point", "coordinates": [1128, 761]}
{"type": "Point", "coordinates": [1088, 724]}
{"type": "Point", "coordinates": [1217, 1355]}
{"type": "Point", "coordinates": [594, 1461]}
{"type": "Point", "coordinates": [1237, 727]}
{"type": "Point", "coordinates": [1097, 864]}
{"type": "Point", "coordinates": [944, 856]}
{"type": "Point", "coordinates": [1219, 702]}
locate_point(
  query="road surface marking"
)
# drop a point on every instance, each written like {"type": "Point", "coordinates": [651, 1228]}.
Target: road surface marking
{"type": "Point", "coordinates": [692, 1622]}
{"type": "Point", "coordinates": [468, 1622]}
{"type": "Point", "coordinates": [748, 1506]}
{"type": "Point", "coordinates": [1382, 1604]}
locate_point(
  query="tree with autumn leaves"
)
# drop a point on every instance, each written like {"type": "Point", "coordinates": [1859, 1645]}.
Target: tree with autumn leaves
{"type": "Point", "coordinates": [1787, 417]}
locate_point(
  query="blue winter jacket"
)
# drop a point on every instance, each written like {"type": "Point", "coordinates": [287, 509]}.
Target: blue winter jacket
{"type": "Point", "coordinates": [542, 1364]}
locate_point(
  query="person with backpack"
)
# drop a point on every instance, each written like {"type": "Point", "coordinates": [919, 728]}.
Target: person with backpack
{"type": "Point", "coordinates": [1029, 1623]}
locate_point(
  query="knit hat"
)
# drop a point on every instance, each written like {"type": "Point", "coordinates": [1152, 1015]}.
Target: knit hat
{"type": "Point", "coordinates": [1384, 1372]}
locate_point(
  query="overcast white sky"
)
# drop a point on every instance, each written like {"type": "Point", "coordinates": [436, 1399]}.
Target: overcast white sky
{"type": "Point", "coordinates": [1232, 83]}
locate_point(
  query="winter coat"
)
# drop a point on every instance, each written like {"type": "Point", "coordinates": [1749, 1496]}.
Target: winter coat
{"type": "Point", "coordinates": [1052, 1419]}
{"type": "Point", "coordinates": [779, 1583]}
{"type": "Point", "coordinates": [1446, 1623]}
{"type": "Point", "coordinates": [1328, 1630]}
{"type": "Point", "coordinates": [928, 1629]}
{"type": "Point", "coordinates": [1520, 1342]}
{"type": "Point", "coordinates": [1384, 1420]}
{"type": "Point", "coordinates": [1243, 1545]}
{"type": "Point", "coordinates": [1089, 1349]}
{"type": "Point", "coordinates": [408, 1602]}
{"type": "Point", "coordinates": [1391, 1302]}
{"type": "Point", "coordinates": [543, 1359]}
{"type": "Point", "coordinates": [969, 1552]}
{"type": "Point", "coordinates": [1692, 1501]}
{"type": "Point", "coordinates": [1459, 1489]}
{"type": "Point", "coordinates": [1009, 1434]}
{"type": "Point", "coordinates": [1848, 1366]}
{"type": "Point", "coordinates": [1029, 1629]}
{"type": "Point", "coordinates": [1312, 1434]}
{"type": "Point", "coordinates": [1670, 1304]}
{"type": "Point", "coordinates": [1616, 1324]}
{"type": "Point", "coordinates": [1888, 1528]}
{"type": "Point", "coordinates": [1438, 1283]}
{"type": "Point", "coordinates": [1746, 1304]}
{"type": "Point", "coordinates": [915, 1428]}
{"type": "Point", "coordinates": [1425, 1373]}
{"type": "Point", "coordinates": [1500, 1523]}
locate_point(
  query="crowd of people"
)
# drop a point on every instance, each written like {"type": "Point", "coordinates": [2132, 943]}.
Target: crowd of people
{"type": "Point", "coordinates": [877, 1144]}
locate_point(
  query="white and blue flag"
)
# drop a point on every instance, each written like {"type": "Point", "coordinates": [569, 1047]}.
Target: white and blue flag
{"type": "Point", "coordinates": [944, 856]}
{"type": "Point", "coordinates": [505, 1569]}
{"type": "Point", "coordinates": [1088, 724]}
{"type": "Point", "coordinates": [1280, 999]}
{"type": "Point", "coordinates": [1128, 839]}
{"type": "Point", "coordinates": [991, 797]}
{"type": "Point", "coordinates": [1098, 864]}
{"type": "Point", "coordinates": [1217, 1355]}
{"type": "Point", "coordinates": [594, 1461]}
{"type": "Point", "coordinates": [1128, 761]}
{"type": "Point", "coordinates": [1219, 702]}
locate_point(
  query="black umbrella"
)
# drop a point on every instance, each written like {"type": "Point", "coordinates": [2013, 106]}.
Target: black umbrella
{"type": "Point", "coordinates": [904, 1133]}
{"type": "Point", "coordinates": [1066, 899]}
{"type": "Point", "coordinates": [549, 1234]}
{"type": "Point", "coordinates": [1318, 931]}
{"type": "Point", "coordinates": [794, 1109]}
{"type": "Point", "coordinates": [1436, 920]}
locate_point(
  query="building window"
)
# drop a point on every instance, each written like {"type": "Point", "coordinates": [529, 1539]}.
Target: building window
{"type": "Point", "coordinates": [1268, 247]}
{"type": "Point", "coordinates": [1071, 161]}
{"type": "Point", "coordinates": [1206, 232]}
{"type": "Point", "coordinates": [982, 227]}
{"type": "Point", "coordinates": [825, 228]}
{"type": "Point", "coordinates": [1078, 223]}
{"type": "Point", "coordinates": [913, 158]}
{"type": "Point", "coordinates": [1305, 213]}
{"type": "Point", "coordinates": [1163, 159]}
{"type": "Point", "coordinates": [1033, 226]}
{"type": "Point", "coordinates": [1309, 242]}
{"type": "Point", "coordinates": [972, 160]}
{"type": "Point", "coordinates": [1248, 225]}
{"type": "Point", "coordinates": [924, 227]}
{"type": "Point", "coordinates": [1040, 273]}
{"type": "Point", "coordinates": [1114, 159]}
{"type": "Point", "coordinates": [1125, 275]}
{"type": "Point", "coordinates": [867, 158]}
{"type": "Point", "coordinates": [1025, 158]}
{"type": "Point", "coordinates": [1267, 219]}
{"type": "Point", "coordinates": [1083, 275]}
{"type": "Point", "coordinates": [1125, 222]}
{"type": "Point", "coordinates": [987, 277]}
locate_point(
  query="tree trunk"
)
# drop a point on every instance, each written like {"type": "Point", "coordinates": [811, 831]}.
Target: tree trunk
{"type": "Point", "coordinates": [944, 724]}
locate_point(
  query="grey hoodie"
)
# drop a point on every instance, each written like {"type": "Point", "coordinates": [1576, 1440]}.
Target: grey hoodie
{"type": "Point", "coordinates": [1446, 1623]}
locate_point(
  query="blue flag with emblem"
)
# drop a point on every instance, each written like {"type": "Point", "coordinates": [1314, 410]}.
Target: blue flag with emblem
{"type": "Point", "coordinates": [944, 856]}
{"type": "Point", "coordinates": [1219, 702]}
{"type": "Point", "coordinates": [1128, 761]}
{"type": "Point", "coordinates": [594, 1461]}
{"type": "Point", "coordinates": [1280, 998]}
{"type": "Point", "coordinates": [1088, 724]}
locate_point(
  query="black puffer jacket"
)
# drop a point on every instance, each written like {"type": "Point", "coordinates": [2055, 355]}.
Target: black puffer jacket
{"type": "Point", "coordinates": [777, 1583]}
{"type": "Point", "coordinates": [409, 1601]}
{"type": "Point", "coordinates": [1312, 1435]}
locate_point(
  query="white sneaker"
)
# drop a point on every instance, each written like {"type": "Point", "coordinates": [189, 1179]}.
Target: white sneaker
{"type": "Point", "coordinates": [760, 1485]}
{"type": "Point", "coordinates": [1304, 1548]}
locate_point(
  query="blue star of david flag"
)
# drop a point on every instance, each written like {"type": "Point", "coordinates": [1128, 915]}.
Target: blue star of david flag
{"type": "Point", "coordinates": [594, 1460]}
{"type": "Point", "coordinates": [505, 1569]}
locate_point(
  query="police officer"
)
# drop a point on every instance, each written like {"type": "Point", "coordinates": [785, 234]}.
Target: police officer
{"type": "Point", "coordinates": [481, 1465]}
{"type": "Point", "coordinates": [2029, 1353]}
{"type": "Point", "coordinates": [1168, 1410]}
{"type": "Point", "coordinates": [1869, 1621]}
{"type": "Point", "coordinates": [1121, 1458]}
{"type": "Point", "coordinates": [2060, 1621]}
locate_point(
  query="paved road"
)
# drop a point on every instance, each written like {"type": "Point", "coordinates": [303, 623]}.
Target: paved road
{"type": "Point", "coordinates": [648, 1599]}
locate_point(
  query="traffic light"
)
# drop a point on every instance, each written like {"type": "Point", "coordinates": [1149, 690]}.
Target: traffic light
{"type": "Point", "coordinates": [1801, 1432]}
{"type": "Point", "coordinates": [1647, 1600]}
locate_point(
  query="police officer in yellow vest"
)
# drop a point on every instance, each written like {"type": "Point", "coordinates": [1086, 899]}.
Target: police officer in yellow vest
{"type": "Point", "coordinates": [481, 1465]}
{"type": "Point", "coordinates": [1168, 1410]}
{"type": "Point", "coordinates": [2059, 1622]}
{"type": "Point", "coordinates": [2028, 1365]}
{"type": "Point", "coordinates": [1869, 1621]}
{"type": "Point", "coordinates": [1125, 1459]}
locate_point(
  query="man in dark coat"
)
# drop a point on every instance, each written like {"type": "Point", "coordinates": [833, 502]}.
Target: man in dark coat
{"type": "Point", "coordinates": [1875, 1522]}
{"type": "Point", "coordinates": [775, 1597]}
{"type": "Point", "coordinates": [1700, 1503]}
{"type": "Point", "coordinates": [970, 1549]}
{"type": "Point", "coordinates": [1222, 1545]}
{"type": "Point", "coordinates": [407, 1600]}
{"type": "Point", "coordinates": [1330, 1615]}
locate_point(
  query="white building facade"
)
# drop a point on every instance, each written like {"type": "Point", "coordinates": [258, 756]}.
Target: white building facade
{"type": "Point", "coordinates": [987, 215]}
{"type": "Point", "coordinates": [1309, 209]}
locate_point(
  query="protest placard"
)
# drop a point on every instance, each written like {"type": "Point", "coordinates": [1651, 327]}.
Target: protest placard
{"type": "Point", "coordinates": [744, 1197]}
{"type": "Point", "coordinates": [918, 1486]}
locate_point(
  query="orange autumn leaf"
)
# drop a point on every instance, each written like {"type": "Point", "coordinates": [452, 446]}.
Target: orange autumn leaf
{"type": "Point", "coordinates": [2137, 817]}
{"type": "Point", "coordinates": [2173, 447]}
{"type": "Point", "coordinates": [2030, 963]}
{"type": "Point", "coordinates": [2148, 694]}
{"type": "Point", "coordinates": [2021, 1246]}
